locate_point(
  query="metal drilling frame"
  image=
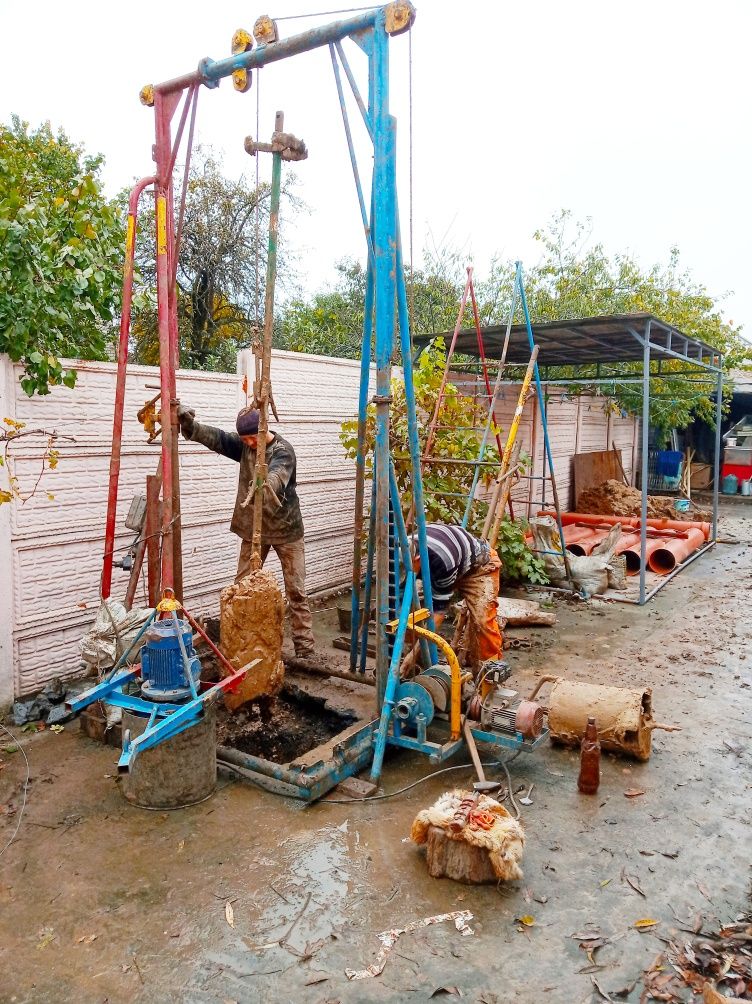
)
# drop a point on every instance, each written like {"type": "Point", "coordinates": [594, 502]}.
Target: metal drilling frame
{"type": "Point", "coordinates": [370, 31]}
{"type": "Point", "coordinates": [386, 316]}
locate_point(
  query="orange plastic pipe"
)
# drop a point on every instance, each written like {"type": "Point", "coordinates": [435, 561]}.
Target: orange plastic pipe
{"type": "Point", "coordinates": [671, 553]}
{"type": "Point", "coordinates": [567, 518]}
{"type": "Point", "coordinates": [632, 554]}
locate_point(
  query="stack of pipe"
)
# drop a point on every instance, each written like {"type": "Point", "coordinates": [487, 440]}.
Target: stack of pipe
{"type": "Point", "coordinates": [669, 543]}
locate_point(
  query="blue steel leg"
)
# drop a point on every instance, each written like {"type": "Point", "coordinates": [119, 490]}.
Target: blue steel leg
{"type": "Point", "coordinates": [644, 460]}
{"type": "Point", "coordinates": [101, 690]}
{"type": "Point", "coordinates": [384, 240]}
{"type": "Point", "coordinates": [130, 648]}
{"type": "Point", "coordinates": [184, 654]}
{"type": "Point", "coordinates": [717, 449]}
{"type": "Point", "coordinates": [399, 522]}
{"type": "Point", "coordinates": [544, 422]}
{"type": "Point", "coordinates": [393, 679]}
{"type": "Point", "coordinates": [414, 441]}
{"type": "Point", "coordinates": [360, 476]}
{"type": "Point", "coordinates": [369, 579]}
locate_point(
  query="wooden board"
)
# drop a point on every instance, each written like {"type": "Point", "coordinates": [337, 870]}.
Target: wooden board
{"type": "Point", "coordinates": [594, 468]}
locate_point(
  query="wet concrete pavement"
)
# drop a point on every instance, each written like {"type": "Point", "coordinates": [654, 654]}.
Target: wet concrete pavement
{"type": "Point", "coordinates": [100, 901]}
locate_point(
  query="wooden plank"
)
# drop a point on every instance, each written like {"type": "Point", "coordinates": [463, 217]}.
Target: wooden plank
{"type": "Point", "coordinates": [593, 468]}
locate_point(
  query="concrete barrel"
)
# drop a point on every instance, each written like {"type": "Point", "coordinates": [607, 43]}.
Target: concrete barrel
{"type": "Point", "coordinates": [176, 773]}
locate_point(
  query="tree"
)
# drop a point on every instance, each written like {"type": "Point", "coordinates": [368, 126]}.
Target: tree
{"type": "Point", "coordinates": [60, 255]}
{"type": "Point", "coordinates": [446, 485]}
{"type": "Point", "coordinates": [221, 268]}
{"type": "Point", "coordinates": [330, 322]}
{"type": "Point", "coordinates": [575, 280]}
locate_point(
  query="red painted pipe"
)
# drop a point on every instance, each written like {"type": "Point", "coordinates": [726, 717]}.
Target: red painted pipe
{"type": "Point", "coordinates": [671, 553]}
{"type": "Point", "coordinates": [567, 518]}
{"type": "Point", "coordinates": [117, 421]}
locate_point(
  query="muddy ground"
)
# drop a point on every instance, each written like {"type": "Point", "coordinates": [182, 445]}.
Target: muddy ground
{"type": "Point", "coordinates": [100, 901]}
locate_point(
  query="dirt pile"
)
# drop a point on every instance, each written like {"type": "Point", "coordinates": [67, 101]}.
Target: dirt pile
{"type": "Point", "coordinates": [614, 498]}
{"type": "Point", "coordinates": [251, 624]}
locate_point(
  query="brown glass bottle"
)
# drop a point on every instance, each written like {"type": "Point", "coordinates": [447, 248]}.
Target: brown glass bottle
{"type": "Point", "coordinates": [590, 760]}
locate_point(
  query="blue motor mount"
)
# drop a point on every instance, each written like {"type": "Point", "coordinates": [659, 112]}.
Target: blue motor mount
{"type": "Point", "coordinates": [162, 669]}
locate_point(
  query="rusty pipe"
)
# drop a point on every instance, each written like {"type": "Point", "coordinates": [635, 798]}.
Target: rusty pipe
{"type": "Point", "coordinates": [671, 553]}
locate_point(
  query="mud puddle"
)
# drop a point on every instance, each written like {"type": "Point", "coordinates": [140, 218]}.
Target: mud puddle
{"type": "Point", "coordinates": [299, 723]}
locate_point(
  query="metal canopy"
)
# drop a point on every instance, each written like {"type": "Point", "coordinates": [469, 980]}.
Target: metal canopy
{"type": "Point", "coordinates": [588, 341]}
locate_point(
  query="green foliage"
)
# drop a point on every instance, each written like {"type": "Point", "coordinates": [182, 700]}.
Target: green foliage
{"type": "Point", "coordinates": [576, 280]}
{"type": "Point", "coordinates": [60, 255]}
{"type": "Point", "coordinates": [221, 273]}
{"type": "Point", "coordinates": [446, 485]}
{"type": "Point", "coordinates": [573, 278]}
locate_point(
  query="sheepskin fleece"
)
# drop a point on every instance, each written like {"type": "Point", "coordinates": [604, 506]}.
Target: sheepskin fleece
{"type": "Point", "coordinates": [504, 841]}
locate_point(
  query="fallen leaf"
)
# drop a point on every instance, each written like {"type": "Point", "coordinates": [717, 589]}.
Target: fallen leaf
{"type": "Point", "coordinates": [229, 914]}
{"type": "Point", "coordinates": [704, 890]}
{"type": "Point", "coordinates": [527, 920]}
{"type": "Point", "coordinates": [593, 935]}
{"type": "Point", "coordinates": [601, 992]}
{"type": "Point", "coordinates": [669, 854]}
{"type": "Point", "coordinates": [10, 749]}
{"type": "Point", "coordinates": [633, 792]}
{"type": "Point", "coordinates": [57, 728]}
{"type": "Point", "coordinates": [452, 991]}
{"type": "Point", "coordinates": [87, 939]}
{"type": "Point", "coordinates": [645, 923]}
{"type": "Point", "coordinates": [604, 883]}
{"type": "Point", "coordinates": [633, 882]}
{"type": "Point", "coordinates": [316, 978]}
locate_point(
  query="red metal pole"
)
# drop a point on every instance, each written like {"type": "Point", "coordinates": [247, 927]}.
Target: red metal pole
{"type": "Point", "coordinates": [117, 421]}
{"type": "Point", "coordinates": [482, 353]}
{"type": "Point", "coordinates": [445, 377]}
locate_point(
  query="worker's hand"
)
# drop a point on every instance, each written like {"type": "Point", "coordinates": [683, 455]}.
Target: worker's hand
{"type": "Point", "coordinates": [271, 502]}
{"type": "Point", "coordinates": [186, 418]}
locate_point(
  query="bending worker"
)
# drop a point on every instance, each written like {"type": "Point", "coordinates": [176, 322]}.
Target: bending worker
{"type": "Point", "coordinates": [282, 527]}
{"type": "Point", "coordinates": [463, 564]}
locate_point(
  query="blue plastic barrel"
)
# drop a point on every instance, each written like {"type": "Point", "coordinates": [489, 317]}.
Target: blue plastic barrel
{"type": "Point", "coordinates": [729, 484]}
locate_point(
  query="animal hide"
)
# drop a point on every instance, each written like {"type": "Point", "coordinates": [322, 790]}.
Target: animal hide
{"type": "Point", "coordinates": [504, 841]}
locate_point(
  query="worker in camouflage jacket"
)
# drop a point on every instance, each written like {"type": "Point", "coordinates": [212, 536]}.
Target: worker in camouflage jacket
{"type": "Point", "coordinates": [282, 527]}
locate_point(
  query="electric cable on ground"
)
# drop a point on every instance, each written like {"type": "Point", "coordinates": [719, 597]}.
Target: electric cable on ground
{"type": "Point", "coordinates": [25, 788]}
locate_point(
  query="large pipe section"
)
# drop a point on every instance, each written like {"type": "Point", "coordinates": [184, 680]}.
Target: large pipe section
{"type": "Point", "coordinates": [656, 523]}
{"type": "Point", "coordinates": [670, 553]}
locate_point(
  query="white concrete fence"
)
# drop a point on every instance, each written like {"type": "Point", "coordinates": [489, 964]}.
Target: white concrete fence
{"type": "Point", "coordinates": [51, 549]}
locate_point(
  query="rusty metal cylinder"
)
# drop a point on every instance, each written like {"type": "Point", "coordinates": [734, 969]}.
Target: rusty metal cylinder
{"type": "Point", "coordinates": [178, 772]}
{"type": "Point", "coordinates": [624, 717]}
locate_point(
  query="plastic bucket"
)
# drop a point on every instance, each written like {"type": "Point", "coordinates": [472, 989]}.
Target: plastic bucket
{"type": "Point", "coordinates": [730, 484]}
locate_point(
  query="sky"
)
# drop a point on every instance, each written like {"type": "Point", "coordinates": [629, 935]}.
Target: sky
{"type": "Point", "coordinates": [635, 116]}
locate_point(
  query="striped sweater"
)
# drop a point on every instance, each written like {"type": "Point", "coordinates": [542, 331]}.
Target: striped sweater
{"type": "Point", "coordinates": [452, 553]}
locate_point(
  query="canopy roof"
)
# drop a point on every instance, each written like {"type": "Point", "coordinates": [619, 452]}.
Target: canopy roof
{"type": "Point", "coordinates": [586, 341]}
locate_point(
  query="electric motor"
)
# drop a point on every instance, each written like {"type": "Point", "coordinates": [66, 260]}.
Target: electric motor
{"type": "Point", "coordinates": [162, 668]}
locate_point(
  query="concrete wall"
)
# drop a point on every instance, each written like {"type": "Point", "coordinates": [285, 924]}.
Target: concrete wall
{"type": "Point", "coordinates": [51, 549]}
